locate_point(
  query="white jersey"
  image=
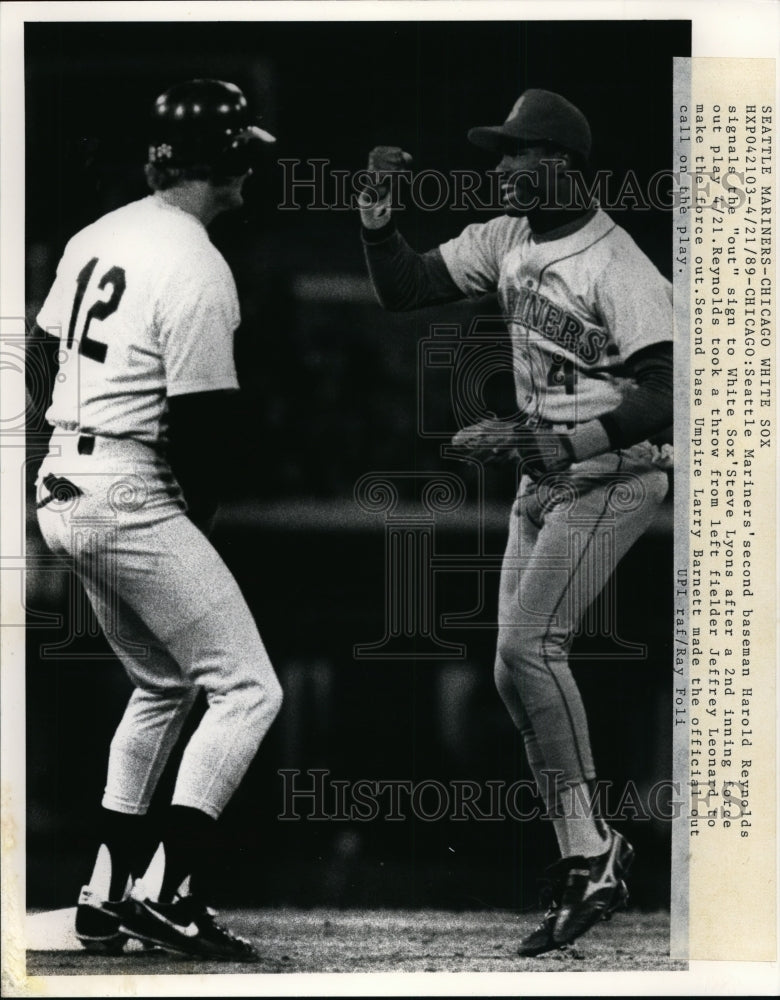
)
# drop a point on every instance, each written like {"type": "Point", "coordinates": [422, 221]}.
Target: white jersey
{"type": "Point", "coordinates": [145, 307]}
{"type": "Point", "coordinates": [577, 308]}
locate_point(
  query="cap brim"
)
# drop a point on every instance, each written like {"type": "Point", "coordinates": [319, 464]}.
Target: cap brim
{"type": "Point", "coordinates": [489, 137]}
{"type": "Point", "coordinates": [494, 138]}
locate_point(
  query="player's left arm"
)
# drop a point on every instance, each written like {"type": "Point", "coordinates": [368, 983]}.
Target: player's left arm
{"type": "Point", "coordinates": [199, 425]}
{"type": "Point", "coordinates": [646, 411]}
{"type": "Point", "coordinates": [635, 303]}
{"type": "Point", "coordinates": [648, 408]}
{"type": "Point", "coordinates": [198, 320]}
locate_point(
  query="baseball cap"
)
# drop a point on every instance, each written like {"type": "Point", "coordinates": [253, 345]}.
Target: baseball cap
{"type": "Point", "coordinates": [538, 115]}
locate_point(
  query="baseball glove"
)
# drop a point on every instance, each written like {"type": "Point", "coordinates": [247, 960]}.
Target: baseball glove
{"type": "Point", "coordinates": [489, 440]}
{"type": "Point", "coordinates": [539, 450]}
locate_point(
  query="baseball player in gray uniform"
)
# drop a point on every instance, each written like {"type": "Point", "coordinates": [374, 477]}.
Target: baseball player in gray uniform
{"type": "Point", "coordinates": [145, 308]}
{"type": "Point", "coordinates": [590, 320]}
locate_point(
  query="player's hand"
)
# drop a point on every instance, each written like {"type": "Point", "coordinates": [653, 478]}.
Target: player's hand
{"type": "Point", "coordinates": [375, 198]}
{"type": "Point", "coordinates": [544, 451]}
{"type": "Point", "coordinates": [539, 451]}
{"type": "Point", "coordinates": [489, 440]}
{"type": "Point", "coordinates": [663, 457]}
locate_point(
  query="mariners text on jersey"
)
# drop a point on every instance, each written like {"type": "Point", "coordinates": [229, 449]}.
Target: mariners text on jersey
{"type": "Point", "coordinates": [578, 306]}
{"type": "Point", "coordinates": [536, 312]}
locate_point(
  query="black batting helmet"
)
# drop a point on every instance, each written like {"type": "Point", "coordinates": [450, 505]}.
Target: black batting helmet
{"type": "Point", "coordinates": [205, 124]}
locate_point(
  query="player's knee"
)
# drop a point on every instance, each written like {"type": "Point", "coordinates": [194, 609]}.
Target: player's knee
{"type": "Point", "coordinates": [514, 649]}
{"type": "Point", "coordinates": [257, 700]}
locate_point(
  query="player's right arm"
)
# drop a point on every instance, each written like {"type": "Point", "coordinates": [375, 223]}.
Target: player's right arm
{"type": "Point", "coordinates": [402, 278]}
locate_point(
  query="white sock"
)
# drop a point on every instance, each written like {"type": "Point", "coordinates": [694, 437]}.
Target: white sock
{"type": "Point", "coordinates": [577, 830]}
{"type": "Point", "coordinates": [100, 879]}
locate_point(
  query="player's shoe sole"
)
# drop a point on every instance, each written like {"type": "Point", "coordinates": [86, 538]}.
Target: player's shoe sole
{"type": "Point", "coordinates": [98, 923]}
{"type": "Point", "coordinates": [593, 891]}
{"type": "Point", "coordinates": [185, 927]}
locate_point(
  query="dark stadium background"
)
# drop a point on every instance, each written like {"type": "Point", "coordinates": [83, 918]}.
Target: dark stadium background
{"type": "Point", "coordinates": [330, 394]}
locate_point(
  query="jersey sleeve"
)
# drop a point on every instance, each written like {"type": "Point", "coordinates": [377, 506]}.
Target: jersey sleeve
{"type": "Point", "coordinates": [635, 301]}
{"type": "Point", "coordinates": [474, 258]}
{"type": "Point", "coordinates": [197, 323]}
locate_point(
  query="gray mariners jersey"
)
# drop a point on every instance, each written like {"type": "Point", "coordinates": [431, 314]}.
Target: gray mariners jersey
{"type": "Point", "coordinates": [577, 307]}
{"type": "Point", "coordinates": [146, 308]}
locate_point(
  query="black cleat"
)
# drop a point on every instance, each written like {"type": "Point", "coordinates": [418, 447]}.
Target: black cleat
{"type": "Point", "coordinates": [541, 937]}
{"type": "Point", "coordinates": [98, 923]}
{"type": "Point", "coordinates": [186, 927]}
{"type": "Point", "coordinates": [594, 889]}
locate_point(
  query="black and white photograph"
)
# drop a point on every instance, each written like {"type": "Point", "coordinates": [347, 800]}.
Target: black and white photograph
{"type": "Point", "coordinates": [348, 472]}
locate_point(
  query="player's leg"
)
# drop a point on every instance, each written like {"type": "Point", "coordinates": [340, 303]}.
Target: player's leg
{"type": "Point", "coordinates": [207, 629]}
{"type": "Point", "coordinates": [164, 571]}
{"type": "Point", "coordinates": [522, 524]}
{"type": "Point", "coordinates": [221, 651]}
{"type": "Point", "coordinates": [558, 560]}
{"type": "Point", "coordinates": [594, 886]}
{"type": "Point", "coordinates": [184, 624]}
{"type": "Point", "coordinates": [521, 637]}
{"type": "Point", "coordinates": [140, 748]}
{"type": "Point", "coordinates": [525, 526]}
{"type": "Point", "coordinates": [205, 632]}
{"type": "Point", "coordinates": [151, 722]}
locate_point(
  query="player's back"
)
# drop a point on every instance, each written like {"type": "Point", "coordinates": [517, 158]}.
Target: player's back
{"type": "Point", "coordinates": [126, 286]}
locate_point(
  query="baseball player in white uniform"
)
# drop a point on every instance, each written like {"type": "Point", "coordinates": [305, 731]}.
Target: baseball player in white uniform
{"type": "Point", "coordinates": [590, 319]}
{"type": "Point", "coordinates": [145, 308]}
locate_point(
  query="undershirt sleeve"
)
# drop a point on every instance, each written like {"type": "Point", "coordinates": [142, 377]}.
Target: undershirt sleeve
{"type": "Point", "coordinates": [647, 410]}
{"type": "Point", "coordinates": [402, 278]}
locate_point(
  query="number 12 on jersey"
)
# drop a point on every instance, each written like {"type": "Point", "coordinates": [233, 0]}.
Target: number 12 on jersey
{"type": "Point", "coordinates": [100, 308]}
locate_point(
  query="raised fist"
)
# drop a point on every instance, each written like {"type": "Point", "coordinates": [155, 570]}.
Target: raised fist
{"type": "Point", "coordinates": [375, 198]}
